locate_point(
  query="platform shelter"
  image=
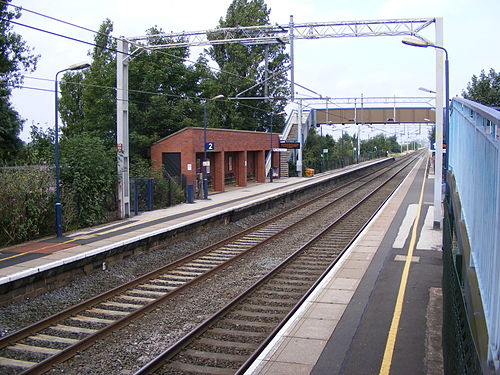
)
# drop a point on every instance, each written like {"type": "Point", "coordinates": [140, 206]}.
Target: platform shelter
{"type": "Point", "coordinates": [236, 156]}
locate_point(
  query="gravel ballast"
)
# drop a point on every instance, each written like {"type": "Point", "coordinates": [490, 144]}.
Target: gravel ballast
{"type": "Point", "coordinates": [128, 349]}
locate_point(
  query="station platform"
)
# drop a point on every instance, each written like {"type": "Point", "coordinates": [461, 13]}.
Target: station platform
{"type": "Point", "coordinates": [28, 262]}
{"type": "Point", "coordinates": [379, 310]}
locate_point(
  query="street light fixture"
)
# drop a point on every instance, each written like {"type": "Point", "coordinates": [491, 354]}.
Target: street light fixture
{"type": "Point", "coordinates": [271, 149]}
{"type": "Point", "coordinates": [427, 90]}
{"type": "Point", "coordinates": [205, 161]}
{"type": "Point", "coordinates": [78, 66]}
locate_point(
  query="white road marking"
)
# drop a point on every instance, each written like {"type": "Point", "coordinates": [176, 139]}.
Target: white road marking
{"type": "Point", "coordinates": [402, 258]}
{"type": "Point", "coordinates": [430, 239]}
{"type": "Point", "coordinates": [404, 229]}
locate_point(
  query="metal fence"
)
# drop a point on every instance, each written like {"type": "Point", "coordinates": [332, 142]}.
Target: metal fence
{"type": "Point", "coordinates": [335, 163]}
{"type": "Point", "coordinates": [474, 160]}
{"type": "Point", "coordinates": [154, 193]}
{"type": "Point", "coordinates": [142, 194]}
{"type": "Point", "coordinates": [459, 351]}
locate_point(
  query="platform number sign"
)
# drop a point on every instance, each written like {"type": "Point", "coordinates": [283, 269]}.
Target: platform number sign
{"type": "Point", "coordinates": [209, 146]}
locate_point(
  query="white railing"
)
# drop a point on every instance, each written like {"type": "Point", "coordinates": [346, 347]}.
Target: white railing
{"type": "Point", "coordinates": [292, 120]}
{"type": "Point", "coordinates": [474, 159]}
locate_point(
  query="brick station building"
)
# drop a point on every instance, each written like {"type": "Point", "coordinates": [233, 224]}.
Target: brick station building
{"type": "Point", "coordinates": [236, 156]}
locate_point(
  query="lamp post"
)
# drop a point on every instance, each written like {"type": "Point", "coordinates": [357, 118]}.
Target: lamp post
{"type": "Point", "coordinates": [439, 126]}
{"type": "Point", "coordinates": [205, 161]}
{"type": "Point", "coordinates": [271, 144]}
{"type": "Point", "coordinates": [78, 66]}
{"type": "Point", "coordinates": [342, 148]}
{"type": "Point", "coordinates": [414, 42]}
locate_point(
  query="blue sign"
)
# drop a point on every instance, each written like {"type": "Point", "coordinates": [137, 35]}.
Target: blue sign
{"type": "Point", "coordinates": [209, 146]}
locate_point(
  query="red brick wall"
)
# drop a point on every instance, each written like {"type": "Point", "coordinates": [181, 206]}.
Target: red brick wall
{"type": "Point", "coordinates": [217, 170]}
{"type": "Point", "coordinates": [241, 173]}
{"type": "Point", "coordinates": [260, 166]}
{"type": "Point", "coordinates": [189, 141]}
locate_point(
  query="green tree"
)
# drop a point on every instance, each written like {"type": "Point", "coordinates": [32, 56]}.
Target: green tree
{"type": "Point", "coordinates": [380, 145]}
{"type": "Point", "coordinates": [176, 86]}
{"type": "Point", "coordinates": [88, 98]}
{"type": "Point", "coordinates": [40, 150]}
{"type": "Point", "coordinates": [311, 155]}
{"type": "Point", "coordinates": [432, 135]}
{"type": "Point", "coordinates": [484, 89]}
{"type": "Point", "coordinates": [338, 150]}
{"type": "Point", "coordinates": [346, 145]}
{"type": "Point", "coordinates": [165, 91]}
{"type": "Point", "coordinates": [15, 58]}
{"type": "Point", "coordinates": [162, 93]}
{"type": "Point", "coordinates": [241, 67]}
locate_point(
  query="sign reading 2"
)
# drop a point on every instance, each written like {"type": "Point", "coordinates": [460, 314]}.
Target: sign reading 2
{"type": "Point", "coordinates": [209, 146]}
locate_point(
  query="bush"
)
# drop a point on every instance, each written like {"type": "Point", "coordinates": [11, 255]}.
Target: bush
{"type": "Point", "coordinates": [27, 200]}
{"type": "Point", "coordinates": [88, 191]}
{"type": "Point", "coordinates": [88, 180]}
{"type": "Point", "coordinates": [164, 189]}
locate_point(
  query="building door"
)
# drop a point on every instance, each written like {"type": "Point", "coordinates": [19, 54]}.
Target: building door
{"type": "Point", "coordinates": [171, 164]}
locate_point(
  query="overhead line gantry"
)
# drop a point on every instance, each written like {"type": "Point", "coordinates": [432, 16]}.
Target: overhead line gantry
{"type": "Point", "coordinates": [263, 34]}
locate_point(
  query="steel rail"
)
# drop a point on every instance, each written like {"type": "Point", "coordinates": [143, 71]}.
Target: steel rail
{"type": "Point", "coordinates": [84, 343]}
{"type": "Point", "coordinates": [24, 332]}
{"type": "Point", "coordinates": [273, 334]}
{"type": "Point", "coordinates": [176, 348]}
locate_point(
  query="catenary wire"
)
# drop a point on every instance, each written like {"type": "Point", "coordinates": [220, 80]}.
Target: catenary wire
{"type": "Point", "coordinates": [114, 50]}
{"type": "Point", "coordinates": [136, 91]}
{"type": "Point", "coordinates": [139, 46]}
{"type": "Point", "coordinates": [64, 36]}
{"type": "Point", "coordinates": [52, 18]}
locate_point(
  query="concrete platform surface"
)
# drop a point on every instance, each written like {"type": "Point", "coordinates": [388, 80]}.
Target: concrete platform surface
{"type": "Point", "coordinates": [27, 259]}
{"type": "Point", "coordinates": [379, 309]}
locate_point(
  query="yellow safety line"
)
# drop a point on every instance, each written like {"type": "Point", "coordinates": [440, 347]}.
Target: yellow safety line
{"type": "Point", "coordinates": [38, 249]}
{"type": "Point", "coordinates": [86, 236]}
{"type": "Point", "coordinates": [391, 337]}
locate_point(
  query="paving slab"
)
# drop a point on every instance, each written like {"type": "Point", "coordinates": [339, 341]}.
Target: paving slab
{"type": "Point", "coordinates": [325, 310]}
{"type": "Point", "coordinates": [285, 368]}
{"type": "Point", "coordinates": [300, 350]}
{"type": "Point", "coordinates": [340, 283]}
{"type": "Point", "coordinates": [313, 328]}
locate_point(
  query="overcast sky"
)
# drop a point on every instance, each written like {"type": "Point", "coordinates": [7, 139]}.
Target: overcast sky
{"type": "Point", "coordinates": [346, 67]}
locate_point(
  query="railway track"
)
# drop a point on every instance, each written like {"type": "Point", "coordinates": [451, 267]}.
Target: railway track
{"type": "Point", "coordinates": [231, 339]}
{"type": "Point", "coordinates": [38, 347]}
